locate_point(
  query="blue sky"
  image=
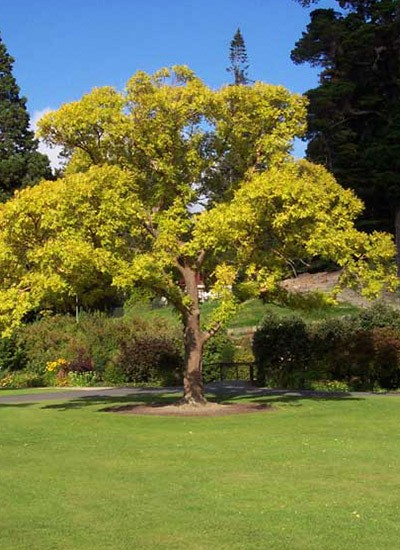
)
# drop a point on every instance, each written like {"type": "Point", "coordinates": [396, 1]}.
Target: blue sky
{"type": "Point", "coordinates": [65, 48]}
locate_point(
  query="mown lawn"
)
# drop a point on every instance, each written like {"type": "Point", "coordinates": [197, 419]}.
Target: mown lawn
{"type": "Point", "coordinates": [28, 391]}
{"type": "Point", "coordinates": [311, 474]}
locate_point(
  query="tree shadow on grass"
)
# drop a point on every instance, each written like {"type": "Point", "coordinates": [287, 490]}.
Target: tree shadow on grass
{"type": "Point", "coordinates": [295, 398]}
{"type": "Point", "coordinates": [20, 405]}
{"type": "Point", "coordinates": [263, 397]}
{"type": "Point", "coordinates": [108, 401]}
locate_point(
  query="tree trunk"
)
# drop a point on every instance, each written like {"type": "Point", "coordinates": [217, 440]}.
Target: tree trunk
{"type": "Point", "coordinates": [397, 235]}
{"type": "Point", "coordinates": [194, 341]}
{"type": "Point", "coordinates": [193, 391]}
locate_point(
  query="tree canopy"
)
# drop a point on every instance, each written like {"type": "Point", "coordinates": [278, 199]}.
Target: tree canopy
{"type": "Point", "coordinates": [20, 162]}
{"type": "Point", "coordinates": [171, 180]}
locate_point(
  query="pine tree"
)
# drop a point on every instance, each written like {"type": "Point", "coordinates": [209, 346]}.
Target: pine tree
{"type": "Point", "coordinates": [354, 113]}
{"type": "Point", "coordinates": [238, 58]}
{"type": "Point", "coordinates": [20, 162]}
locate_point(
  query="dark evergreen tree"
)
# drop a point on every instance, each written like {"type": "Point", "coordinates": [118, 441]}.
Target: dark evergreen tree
{"type": "Point", "coordinates": [20, 162]}
{"type": "Point", "coordinates": [354, 114]}
{"type": "Point", "coordinates": [238, 58]}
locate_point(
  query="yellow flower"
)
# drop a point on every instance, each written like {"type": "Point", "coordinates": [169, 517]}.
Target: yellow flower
{"type": "Point", "coordinates": [52, 366]}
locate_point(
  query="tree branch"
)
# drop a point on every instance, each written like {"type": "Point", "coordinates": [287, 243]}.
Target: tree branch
{"type": "Point", "coordinates": [207, 334]}
{"type": "Point", "coordinates": [200, 258]}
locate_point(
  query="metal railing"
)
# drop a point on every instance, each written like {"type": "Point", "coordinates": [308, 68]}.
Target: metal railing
{"type": "Point", "coordinates": [223, 367]}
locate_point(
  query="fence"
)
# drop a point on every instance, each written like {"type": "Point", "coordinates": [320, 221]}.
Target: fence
{"type": "Point", "coordinates": [237, 370]}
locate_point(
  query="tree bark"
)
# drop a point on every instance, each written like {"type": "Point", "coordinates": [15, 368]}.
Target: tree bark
{"type": "Point", "coordinates": [194, 340]}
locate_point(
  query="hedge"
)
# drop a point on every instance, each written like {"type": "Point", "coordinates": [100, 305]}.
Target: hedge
{"type": "Point", "coordinates": [362, 351]}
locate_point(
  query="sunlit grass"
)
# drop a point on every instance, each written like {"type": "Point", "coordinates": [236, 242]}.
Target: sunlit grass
{"type": "Point", "coordinates": [249, 314]}
{"type": "Point", "coordinates": [28, 391]}
{"type": "Point", "coordinates": [310, 474]}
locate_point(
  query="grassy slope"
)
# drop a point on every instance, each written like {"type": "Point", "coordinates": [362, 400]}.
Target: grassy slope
{"type": "Point", "coordinates": [312, 474]}
{"type": "Point", "coordinates": [252, 312]}
{"type": "Point", "coordinates": [249, 314]}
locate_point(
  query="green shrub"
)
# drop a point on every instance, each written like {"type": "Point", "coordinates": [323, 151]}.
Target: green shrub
{"type": "Point", "coordinates": [114, 375]}
{"type": "Point", "coordinates": [282, 351]}
{"type": "Point", "coordinates": [95, 344]}
{"type": "Point", "coordinates": [90, 344]}
{"type": "Point", "coordinates": [332, 349]}
{"type": "Point", "coordinates": [307, 301]}
{"type": "Point", "coordinates": [98, 337]}
{"type": "Point", "coordinates": [148, 359]}
{"type": "Point", "coordinates": [243, 351]}
{"type": "Point", "coordinates": [358, 370]}
{"type": "Point", "coordinates": [361, 352]}
{"type": "Point", "coordinates": [334, 386]}
{"type": "Point", "coordinates": [219, 349]}
{"type": "Point", "coordinates": [95, 338]}
{"type": "Point", "coordinates": [12, 354]}
{"type": "Point", "coordinates": [386, 366]}
{"type": "Point", "coordinates": [46, 340]}
{"type": "Point", "coordinates": [20, 379]}
{"type": "Point", "coordinates": [379, 315]}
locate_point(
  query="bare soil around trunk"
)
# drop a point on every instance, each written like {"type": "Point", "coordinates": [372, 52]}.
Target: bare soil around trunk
{"type": "Point", "coordinates": [208, 409]}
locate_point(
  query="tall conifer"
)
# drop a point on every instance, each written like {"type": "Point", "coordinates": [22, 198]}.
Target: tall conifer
{"type": "Point", "coordinates": [239, 60]}
{"type": "Point", "coordinates": [20, 162]}
{"type": "Point", "coordinates": [354, 113]}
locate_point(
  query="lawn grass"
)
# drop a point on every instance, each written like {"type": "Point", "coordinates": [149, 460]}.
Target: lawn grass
{"type": "Point", "coordinates": [28, 391]}
{"type": "Point", "coordinates": [249, 314]}
{"type": "Point", "coordinates": [311, 474]}
{"type": "Point", "coordinates": [252, 312]}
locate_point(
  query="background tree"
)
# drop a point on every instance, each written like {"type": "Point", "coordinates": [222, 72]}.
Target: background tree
{"type": "Point", "coordinates": [143, 200]}
{"type": "Point", "coordinates": [354, 114]}
{"type": "Point", "coordinates": [20, 162]}
{"type": "Point", "coordinates": [239, 60]}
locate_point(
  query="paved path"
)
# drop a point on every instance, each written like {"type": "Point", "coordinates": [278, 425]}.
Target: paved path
{"type": "Point", "coordinates": [225, 388]}
{"type": "Point", "coordinates": [216, 387]}
{"type": "Point", "coordinates": [81, 393]}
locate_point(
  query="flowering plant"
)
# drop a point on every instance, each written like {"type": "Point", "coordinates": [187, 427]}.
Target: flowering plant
{"type": "Point", "coordinates": [56, 366]}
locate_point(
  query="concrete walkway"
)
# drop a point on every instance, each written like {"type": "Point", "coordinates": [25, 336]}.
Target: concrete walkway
{"type": "Point", "coordinates": [81, 393]}
{"type": "Point", "coordinates": [218, 388]}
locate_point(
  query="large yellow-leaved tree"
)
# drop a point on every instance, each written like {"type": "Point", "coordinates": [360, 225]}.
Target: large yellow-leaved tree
{"type": "Point", "coordinates": [170, 181]}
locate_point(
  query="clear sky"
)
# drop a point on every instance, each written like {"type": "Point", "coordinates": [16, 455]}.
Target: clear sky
{"type": "Point", "coordinates": [63, 48]}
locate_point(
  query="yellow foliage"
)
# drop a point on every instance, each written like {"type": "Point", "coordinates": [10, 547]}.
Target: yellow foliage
{"type": "Point", "coordinates": [172, 175]}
